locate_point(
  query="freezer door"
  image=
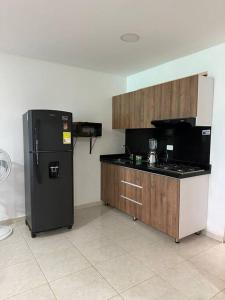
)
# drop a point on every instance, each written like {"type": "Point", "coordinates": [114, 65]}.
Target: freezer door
{"type": "Point", "coordinates": [52, 191]}
{"type": "Point", "coordinates": [50, 130]}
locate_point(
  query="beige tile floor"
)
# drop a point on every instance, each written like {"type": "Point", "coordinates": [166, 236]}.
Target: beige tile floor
{"type": "Point", "coordinates": [108, 256]}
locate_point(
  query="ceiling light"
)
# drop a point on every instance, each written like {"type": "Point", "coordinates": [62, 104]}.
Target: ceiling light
{"type": "Point", "coordinates": [130, 37]}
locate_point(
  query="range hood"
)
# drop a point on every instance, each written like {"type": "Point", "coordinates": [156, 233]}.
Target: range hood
{"type": "Point", "coordinates": [171, 123]}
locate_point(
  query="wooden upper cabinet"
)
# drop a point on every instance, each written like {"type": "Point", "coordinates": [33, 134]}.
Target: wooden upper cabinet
{"type": "Point", "coordinates": [181, 98]}
{"type": "Point", "coordinates": [128, 110]}
{"type": "Point", "coordinates": [136, 109]}
{"type": "Point", "coordinates": [165, 107]}
{"type": "Point", "coordinates": [121, 111]}
{"type": "Point", "coordinates": [150, 106]}
{"type": "Point", "coordinates": [188, 95]}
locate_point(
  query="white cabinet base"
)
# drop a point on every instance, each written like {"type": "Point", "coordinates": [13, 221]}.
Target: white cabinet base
{"type": "Point", "coordinates": [193, 204]}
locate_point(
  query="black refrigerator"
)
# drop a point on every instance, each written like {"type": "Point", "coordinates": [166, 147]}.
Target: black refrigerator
{"type": "Point", "coordinates": [48, 169]}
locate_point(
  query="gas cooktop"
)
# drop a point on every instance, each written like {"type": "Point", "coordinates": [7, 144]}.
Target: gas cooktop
{"type": "Point", "coordinates": [178, 168]}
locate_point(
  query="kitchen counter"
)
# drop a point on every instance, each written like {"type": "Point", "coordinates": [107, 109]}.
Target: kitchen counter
{"type": "Point", "coordinates": [122, 160]}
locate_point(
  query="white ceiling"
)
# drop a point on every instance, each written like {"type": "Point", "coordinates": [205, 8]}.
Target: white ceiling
{"type": "Point", "coordinates": [86, 33]}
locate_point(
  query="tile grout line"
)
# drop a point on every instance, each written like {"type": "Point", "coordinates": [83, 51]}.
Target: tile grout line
{"type": "Point", "coordinates": [127, 253]}
{"type": "Point", "coordinates": [21, 293]}
{"type": "Point", "coordinates": [180, 291]}
{"type": "Point", "coordinates": [202, 252]}
{"type": "Point", "coordinates": [92, 266]}
{"type": "Point", "coordinates": [213, 297]}
{"type": "Point", "coordinates": [159, 274]}
{"type": "Point", "coordinates": [72, 244]}
{"type": "Point", "coordinates": [25, 291]}
{"type": "Point", "coordinates": [39, 266]}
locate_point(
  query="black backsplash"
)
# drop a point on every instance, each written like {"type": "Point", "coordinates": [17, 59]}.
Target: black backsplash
{"type": "Point", "coordinates": [189, 143]}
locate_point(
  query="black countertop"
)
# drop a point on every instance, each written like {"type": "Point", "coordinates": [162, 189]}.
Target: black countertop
{"type": "Point", "coordinates": [144, 166]}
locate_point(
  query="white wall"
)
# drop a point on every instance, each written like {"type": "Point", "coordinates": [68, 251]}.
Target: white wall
{"type": "Point", "coordinates": [213, 61]}
{"type": "Point", "coordinates": [31, 84]}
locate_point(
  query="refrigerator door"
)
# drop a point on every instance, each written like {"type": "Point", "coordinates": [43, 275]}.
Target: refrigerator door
{"type": "Point", "coordinates": [50, 130]}
{"type": "Point", "coordinates": [52, 192]}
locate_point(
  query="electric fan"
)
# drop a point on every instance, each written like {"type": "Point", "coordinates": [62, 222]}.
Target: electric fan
{"type": "Point", "coordinates": [5, 168]}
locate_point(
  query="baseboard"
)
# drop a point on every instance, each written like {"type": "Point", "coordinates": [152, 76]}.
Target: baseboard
{"type": "Point", "coordinates": [86, 205]}
{"type": "Point", "coordinates": [79, 206]}
{"type": "Point", "coordinates": [99, 203]}
{"type": "Point", "coordinates": [214, 236]}
{"type": "Point", "coordinates": [12, 221]}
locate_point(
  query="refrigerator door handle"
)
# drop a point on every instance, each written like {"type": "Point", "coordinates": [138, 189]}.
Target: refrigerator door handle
{"type": "Point", "coordinates": [36, 130]}
{"type": "Point", "coordinates": [37, 141]}
{"type": "Point", "coordinates": [36, 151]}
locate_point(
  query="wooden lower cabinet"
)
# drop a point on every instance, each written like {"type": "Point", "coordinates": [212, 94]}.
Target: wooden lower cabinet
{"type": "Point", "coordinates": [164, 198]}
{"type": "Point", "coordinates": [175, 207]}
{"type": "Point", "coordinates": [151, 198]}
{"type": "Point", "coordinates": [109, 184]}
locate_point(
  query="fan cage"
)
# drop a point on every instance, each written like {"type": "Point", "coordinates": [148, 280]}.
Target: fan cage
{"type": "Point", "coordinates": [5, 165]}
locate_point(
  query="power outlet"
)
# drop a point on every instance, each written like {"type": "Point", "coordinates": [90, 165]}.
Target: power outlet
{"type": "Point", "coordinates": [169, 147]}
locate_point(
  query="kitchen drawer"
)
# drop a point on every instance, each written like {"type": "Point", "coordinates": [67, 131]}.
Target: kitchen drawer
{"type": "Point", "coordinates": [132, 177]}
{"type": "Point", "coordinates": [131, 208]}
{"type": "Point", "coordinates": [131, 192]}
{"type": "Point", "coordinates": [131, 187]}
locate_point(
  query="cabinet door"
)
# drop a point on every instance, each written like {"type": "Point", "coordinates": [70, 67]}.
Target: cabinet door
{"type": "Point", "coordinates": [116, 114]}
{"type": "Point", "coordinates": [170, 100]}
{"type": "Point", "coordinates": [110, 184]}
{"type": "Point", "coordinates": [165, 204]}
{"type": "Point", "coordinates": [165, 101]}
{"type": "Point", "coordinates": [121, 111]}
{"type": "Point", "coordinates": [137, 109]}
{"type": "Point", "coordinates": [146, 199]}
{"type": "Point", "coordinates": [150, 107]}
{"type": "Point", "coordinates": [157, 103]}
{"type": "Point", "coordinates": [131, 192]}
{"type": "Point", "coordinates": [185, 97]}
{"type": "Point", "coordinates": [128, 110]}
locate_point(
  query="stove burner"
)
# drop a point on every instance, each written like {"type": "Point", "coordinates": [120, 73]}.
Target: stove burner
{"type": "Point", "coordinates": [178, 168]}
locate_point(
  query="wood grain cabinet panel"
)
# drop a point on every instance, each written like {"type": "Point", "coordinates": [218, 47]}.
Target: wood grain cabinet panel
{"type": "Point", "coordinates": [157, 200]}
{"type": "Point", "coordinates": [116, 116]}
{"type": "Point", "coordinates": [165, 101]}
{"type": "Point", "coordinates": [131, 192]}
{"type": "Point", "coordinates": [106, 182]}
{"type": "Point", "coordinates": [128, 110]}
{"type": "Point", "coordinates": [165, 204]}
{"type": "Point", "coordinates": [146, 199]}
{"type": "Point", "coordinates": [110, 176]}
{"type": "Point", "coordinates": [121, 111]}
{"type": "Point", "coordinates": [151, 108]}
{"type": "Point", "coordinates": [188, 97]}
{"type": "Point", "coordinates": [153, 199]}
{"type": "Point", "coordinates": [137, 109]}
{"type": "Point", "coordinates": [170, 100]}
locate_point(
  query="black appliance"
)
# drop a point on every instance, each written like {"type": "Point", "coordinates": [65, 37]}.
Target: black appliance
{"type": "Point", "coordinates": [87, 129]}
{"type": "Point", "coordinates": [171, 123]}
{"type": "Point", "coordinates": [48, 167]}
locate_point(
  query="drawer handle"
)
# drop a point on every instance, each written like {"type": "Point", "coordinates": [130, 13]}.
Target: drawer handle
{"type": "Point", "coordinates": [133, 184]}
{"type": "Point", "coordinates": [131, 200]}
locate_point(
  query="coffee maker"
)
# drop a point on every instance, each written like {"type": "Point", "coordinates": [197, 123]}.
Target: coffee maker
{"type": "Point", "coordinates": [152, 156]}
